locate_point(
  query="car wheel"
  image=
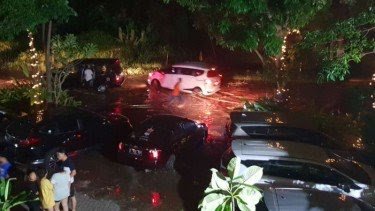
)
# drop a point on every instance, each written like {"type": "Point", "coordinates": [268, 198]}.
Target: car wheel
{"type": "Point", "coordinates": [169, 165]}
{"type": "Point", "coordinates": [197, 91]}
{"type": "Point", "coordinates": [155, 84]}
{"type": "Point", "coordinates": [50, 160]}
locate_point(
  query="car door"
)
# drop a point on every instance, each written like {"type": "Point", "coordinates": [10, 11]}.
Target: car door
{"type": "Point", "coordinates": [170, 78]}
{"type": "Point", "coordinates": [187, 77]}
{"type": "Point", "coordinates": [71, 135]}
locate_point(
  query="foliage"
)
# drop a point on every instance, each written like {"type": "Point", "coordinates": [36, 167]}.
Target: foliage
{"type": "Point", "coordinates": [17, 97]}
{"type": "Point", "coordinates": [249, 25]}
{"type": "Point", "coordinates": [6, 201]}
{"type": "Point", "coordinates": [265, 105]}
{"type": "Point", "coordinates": [345, 42]}
{"type": "Point", "coordinates": [225, 193]}
{"type": "Point", "coordinates": [21, 15]}
{"type": "Point", "coordinates": [67, 48]}
{"type": "Point", "coordinates": [23, 59]}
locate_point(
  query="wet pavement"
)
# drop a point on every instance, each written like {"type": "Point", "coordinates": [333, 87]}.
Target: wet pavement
{"type": "Point", "coordinates": [102, 178]}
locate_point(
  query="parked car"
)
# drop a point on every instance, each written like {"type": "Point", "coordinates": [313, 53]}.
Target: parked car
{"type": "Point", "coordinates": [160, 140]}
{"type": "Point", "coordinates": [292, 127]}
{"type": "Point", "coordinates": [33, 140]}
{"type": "Point", "coordinates": [304, 166]}
{"type": "Point", "coordinates": [197, 77]}
{"type": "Point", "coordinates": [111, 76]}
{"type": "Point", "coordinates": [286, 198]}
{"type": "Point", "coordinates": [6, 117]}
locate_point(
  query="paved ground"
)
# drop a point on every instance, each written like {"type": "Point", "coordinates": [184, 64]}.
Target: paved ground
{"type": "Point", "coordinates": [87, 203]}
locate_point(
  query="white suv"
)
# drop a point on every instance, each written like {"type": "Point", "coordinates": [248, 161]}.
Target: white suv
{"type": "Point", "coordinates": [197, 77]}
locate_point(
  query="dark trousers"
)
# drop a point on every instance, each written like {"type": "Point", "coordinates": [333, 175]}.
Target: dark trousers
{"type": "Point", "coordinates": [33, 205]}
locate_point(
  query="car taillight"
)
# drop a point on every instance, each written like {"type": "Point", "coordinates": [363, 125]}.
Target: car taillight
{"type": "Point", "coordinates": [117, 78]}
{"type": "Point", "coordinates": [154, 154]}
{"type": "Point", "coordinates": [30, 141]}
{"type": "Point", "coordinates": [121, 146]}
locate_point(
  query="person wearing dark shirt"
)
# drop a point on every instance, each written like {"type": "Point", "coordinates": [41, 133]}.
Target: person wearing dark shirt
{"type": "Point", "coordinates": [69, 167]}
{"type": "Point", "coordinates": [32, 187]}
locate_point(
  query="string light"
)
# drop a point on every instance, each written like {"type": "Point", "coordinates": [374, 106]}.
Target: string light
{"type": "Point", "coordinates": [37, 76]}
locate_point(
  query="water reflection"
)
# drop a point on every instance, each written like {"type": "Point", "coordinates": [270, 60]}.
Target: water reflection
{"type": "Point", "coordinates": [155, 199]}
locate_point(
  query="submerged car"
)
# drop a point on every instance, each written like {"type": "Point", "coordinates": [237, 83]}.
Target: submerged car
{"type": "Point", "coordinates": [292, 127]}
{"type": "Point", "coordinates": [33, 140]}
{"type": "Point", "coordinates": [303, 166]}
{"type": "Point", "coordinates": [106, 71]}
{"type": "Point", "coordinates": [196, 77]}
{"type": "Point", "coordinates": [160, 140]}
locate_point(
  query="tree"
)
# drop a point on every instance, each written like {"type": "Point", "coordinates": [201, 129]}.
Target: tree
{"type": "Point", "coordinates": [253, 25]}
{"type": "Point", "coordinates": [343, 42]}
{"type": "Point", "coordinates": [21, 15]}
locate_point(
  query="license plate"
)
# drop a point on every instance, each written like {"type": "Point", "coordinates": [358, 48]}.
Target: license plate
{"type": "Point", "coordinates": [136, 152]}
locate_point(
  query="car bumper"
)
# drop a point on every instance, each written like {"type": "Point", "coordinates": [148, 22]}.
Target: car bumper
{"type": "Point", "coordinates": [143, 162]}
{"type": "Point", "coordinates": [211, 90]}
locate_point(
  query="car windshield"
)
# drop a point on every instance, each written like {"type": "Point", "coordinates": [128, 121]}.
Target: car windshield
{"type": "Point", "coordinates": [20, 128]}
{"type": "Point", "coordinates": [350, 168]}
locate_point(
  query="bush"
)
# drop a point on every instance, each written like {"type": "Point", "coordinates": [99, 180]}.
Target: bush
{"type": "Point", "coordinates": [17, 98]}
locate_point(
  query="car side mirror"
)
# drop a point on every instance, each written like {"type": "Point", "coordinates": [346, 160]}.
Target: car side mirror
{"type": "Point", "coordinates": [344, 187]}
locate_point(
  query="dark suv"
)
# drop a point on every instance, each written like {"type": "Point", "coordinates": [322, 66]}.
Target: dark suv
{"type": "Point", "coordinates": [33, 140]}
{"type": "Point", "coordinates": [111, 74]}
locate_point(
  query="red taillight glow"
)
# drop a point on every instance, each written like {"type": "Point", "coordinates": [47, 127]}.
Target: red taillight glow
{"type": "Point", "coordinates": [30, 141]}
{"type": "Point", "coordinates": [121, 146]}
{"type": "Point", "coordinates": [117, 78]}
{"type": "Point", "coordinates": [154, 153]}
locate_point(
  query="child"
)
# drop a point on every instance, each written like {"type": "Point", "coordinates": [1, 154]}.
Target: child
{"type": "Point", "coordinates": [61, 183]}
{"type": "Point", "coordinates": [46, 191]}
{"type": "Point", "coordinates": [32, 187]}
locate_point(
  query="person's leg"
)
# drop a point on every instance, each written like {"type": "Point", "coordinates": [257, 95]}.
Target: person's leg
{"type": "Point", "coordinates": [57, 206]}
{"type": "Point", "coordinates": [50, 209]}
{"type": "Point", "coordinates": [64, 204]}
{"type": "Point", "coordinates": [74, 203]}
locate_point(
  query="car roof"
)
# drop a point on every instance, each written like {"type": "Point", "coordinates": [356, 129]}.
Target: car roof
{"type": "Point", "coordinates": [259, 149]}
{"type": "Point", "coordinates": [195, 65]}
{"type": "Point", "coordinates": [96, 60]}
{"type": "Point", "coordinates": [271, 118]}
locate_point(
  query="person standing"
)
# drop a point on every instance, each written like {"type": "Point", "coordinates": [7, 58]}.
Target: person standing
{"type": "Point", "coordinates": [46, 194]}
{"type": "Point", "coordinates": [88, 75]}
{"type": "Point", "coordinates": [5, 166]}
{"type": "Point", "coordinates": [69, 167]}
{"type": "Point", "coordinates": [61, 185]}
{"type": "Point", "coordinates": [176, 92]}
{"type": "Point", "coordinates": [32, 187]}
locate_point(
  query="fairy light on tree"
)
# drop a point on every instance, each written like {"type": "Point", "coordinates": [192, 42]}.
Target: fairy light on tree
{"type": "Point", "coordinates": [285, 55]}
{"type": "Point", "coordinates": [36, 75]}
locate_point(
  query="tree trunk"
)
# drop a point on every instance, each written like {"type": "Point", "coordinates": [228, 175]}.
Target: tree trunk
{"type": "Point", "coordinates": [260, 57]}
{"type": "Point", "coordinates": [44, 37]}
{"type": "Point", "coordinates": [48, 60]}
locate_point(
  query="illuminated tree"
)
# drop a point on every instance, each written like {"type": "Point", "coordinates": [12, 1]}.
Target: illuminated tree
{"type": "Point", "coordinates": [22, 15]}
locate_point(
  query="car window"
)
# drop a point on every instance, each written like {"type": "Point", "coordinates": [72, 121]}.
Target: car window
{"type": "Point", "coordinates": [286, 169]}
{"type": "Point", "coordinates": [68, 125]}
{"type": "Point", "coordinates": [49, 128]}
{"type": "Point", "coordinates": [172, 70]}
{"type": "Point", "coordinates": [186, 71]}
{"type": "Point", "coordinates": [255, 130]}
{"type": "Point", "coordinates": [324, 175]}
{"type": "Point", "coordinates": [212, 73]}
{"type": "Point", "coordinates": [198, 72]}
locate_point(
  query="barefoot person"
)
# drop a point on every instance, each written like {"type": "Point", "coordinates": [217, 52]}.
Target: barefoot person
{"type": "Point", "coordinates": [69, 167]}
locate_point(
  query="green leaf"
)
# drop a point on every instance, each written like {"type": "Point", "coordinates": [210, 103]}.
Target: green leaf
{"type": "Point", "coordinates": [218, 181]}
{"type": "Point", "coordinates": [249, 195]}
{"type": "Point", "coordinates": [252, 175]}
{"type": "Point", "coordinates": [212, 201]}
{"type": "Point", "coordinates": [234, 167]}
